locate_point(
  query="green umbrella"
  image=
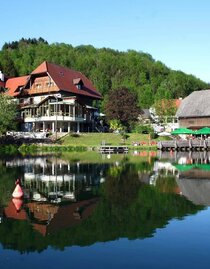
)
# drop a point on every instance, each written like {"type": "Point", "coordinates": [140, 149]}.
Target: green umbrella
{"type": "Point", "coordinates": [182, 131]}
{"type": "Point", "coordinates": [203, 131]}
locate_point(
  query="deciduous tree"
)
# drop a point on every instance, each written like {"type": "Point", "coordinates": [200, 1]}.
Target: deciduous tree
{"type": "Point", "coordinates": [122, 105]}
{"type": "Point", "coordinates": [8, 112]}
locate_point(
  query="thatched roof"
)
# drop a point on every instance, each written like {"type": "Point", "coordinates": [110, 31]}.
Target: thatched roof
{"type": "Point", "coordinates": [197, 104]}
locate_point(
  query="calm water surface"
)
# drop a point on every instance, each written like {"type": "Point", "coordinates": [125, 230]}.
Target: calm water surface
{"type": "Point", "coordinates": [85, 210]}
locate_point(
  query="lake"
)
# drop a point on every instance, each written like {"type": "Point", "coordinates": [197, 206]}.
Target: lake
{"type": "Point", "coordinates": [87, 210]}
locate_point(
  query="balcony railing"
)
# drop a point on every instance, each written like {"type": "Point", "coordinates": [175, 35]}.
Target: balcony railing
{"type": "Point", "coordinates": [58, 117]}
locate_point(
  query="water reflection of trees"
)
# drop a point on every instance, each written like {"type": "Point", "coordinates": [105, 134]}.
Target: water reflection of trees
{"type": "Point", "coordinates": [7, 176]}
{"type": "Point", "coordinates": [127, 208]}
{"type": "Point", "coordinates": [121, 185]}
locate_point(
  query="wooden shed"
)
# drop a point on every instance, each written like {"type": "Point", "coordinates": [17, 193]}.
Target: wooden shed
{"type": "Point", "coordinates": [194, 110]}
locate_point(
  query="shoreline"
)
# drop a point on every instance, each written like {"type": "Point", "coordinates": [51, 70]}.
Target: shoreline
{"type": "Point", "coordinates": [82, 142]}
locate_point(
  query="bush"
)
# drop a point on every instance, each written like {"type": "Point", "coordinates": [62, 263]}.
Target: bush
{"type": "Point", "coordinates": [153, 135]}
{"type": "Point", "coordinates": [142, 129]}
{"type": "Point", "coordinates": [28, 148]}
{"type": "Point", "coordinates": [124, 136]}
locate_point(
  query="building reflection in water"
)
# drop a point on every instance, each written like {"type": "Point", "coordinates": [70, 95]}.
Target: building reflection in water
{"type": "Point", "coordinates": [57, 194]}
{"type": "Point", "coordinates": [192, 173]}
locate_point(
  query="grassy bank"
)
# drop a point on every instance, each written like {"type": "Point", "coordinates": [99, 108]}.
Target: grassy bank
{"type": "Point", "coordinates": [83, 142]}
{"type": "Point", "coordinates": [92, 141]}
{"type": "Point", "coordinates": [97, 139]}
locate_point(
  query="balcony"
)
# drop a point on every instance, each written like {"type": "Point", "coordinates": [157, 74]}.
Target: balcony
{"type": "Point", "coordinates": [51, 118]}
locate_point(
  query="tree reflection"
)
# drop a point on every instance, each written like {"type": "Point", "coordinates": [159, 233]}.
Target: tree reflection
{"type": "Point", "coordinates": [128, 207]}
{"type": "Point", "coordinates": [7, 183]}
{"type": "Point", "coordinates": [121, 185]}
{"type": "Point", "coordinates": [167, 184]}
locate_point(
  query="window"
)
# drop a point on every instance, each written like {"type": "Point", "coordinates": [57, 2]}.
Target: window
{"type": "Point", "coordinates": [78, 83]}
{"type": "Point", "coordinates": [38, 85]}
{"type": "Point", "coordinates": [79, 86]}
{"type": "Point", "coordinates": [50, 84]}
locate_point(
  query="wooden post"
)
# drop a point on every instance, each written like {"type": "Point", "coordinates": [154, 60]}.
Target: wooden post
{"type": "Point", "coordinates": [159, 145]}
{"type": "Point", "coordinates": [205, 144]}
{"type": "Point", "coordinates": [149, 138]}
{"type": "Point", "coordinates": [190, 144]}
{"type": "Point", "coordinates": [175, 144]}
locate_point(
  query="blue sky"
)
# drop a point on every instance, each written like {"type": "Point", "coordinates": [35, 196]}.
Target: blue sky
{"type": "Point", "coordinates": [176, 32]}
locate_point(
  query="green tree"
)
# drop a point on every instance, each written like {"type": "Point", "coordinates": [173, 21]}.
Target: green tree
{"type": "Point", "coordinates": [107, 68]}
{"type": "Point", "coordinates": [8, 64]}
{"type": "Point", "coordinates": [8, 112]}
{"type": "Point", "coordinates": [165, 107]}
{"type": "Point", "coordinates": [145, 96]}
{"type": "Point", "coordinates": [115, 125]}
{"type": "Point", "coordinates": [164, 104]}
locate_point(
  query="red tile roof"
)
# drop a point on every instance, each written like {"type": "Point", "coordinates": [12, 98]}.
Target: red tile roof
{"type": "Point", "coordinates": [12, 84]}
{"type": "Point", "coordinates": [65, 79]}
{"type": "Point", "coordinates": [42, 68]}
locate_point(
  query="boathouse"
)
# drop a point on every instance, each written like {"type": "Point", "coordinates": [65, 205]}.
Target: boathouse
{"type": "Point", "coordinates": [194, 110]}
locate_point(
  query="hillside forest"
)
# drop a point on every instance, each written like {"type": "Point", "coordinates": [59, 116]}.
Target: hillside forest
{"type": "Point", "coordinates": [108, 69]}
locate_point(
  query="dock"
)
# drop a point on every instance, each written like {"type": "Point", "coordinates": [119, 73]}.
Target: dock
{"type": "Point", "coordinates": [113, 149]}
{"type": "Point", "coordinates": [184, 145]}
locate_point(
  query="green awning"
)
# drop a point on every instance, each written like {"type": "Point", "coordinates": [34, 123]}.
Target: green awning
{"type": "Point", "coordinates": [182, 131]}
{"type": "Point", "coordinates": [203, 131]}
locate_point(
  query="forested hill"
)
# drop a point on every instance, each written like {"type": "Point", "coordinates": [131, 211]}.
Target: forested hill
{"type": "Point", "coordinates": [107, 68]}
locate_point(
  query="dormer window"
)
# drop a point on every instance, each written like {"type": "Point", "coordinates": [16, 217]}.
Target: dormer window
{"type": "Point", "coordinates": [79, 86]}
{"type": "Point", "coordinates": [78, 83]}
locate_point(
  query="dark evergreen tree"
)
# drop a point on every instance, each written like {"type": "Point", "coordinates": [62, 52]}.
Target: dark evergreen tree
{"type": "Point", "coordinates": [8, 66]}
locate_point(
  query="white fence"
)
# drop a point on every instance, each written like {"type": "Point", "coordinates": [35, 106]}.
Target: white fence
{"type": "Point", "coordinates": [36, 135]}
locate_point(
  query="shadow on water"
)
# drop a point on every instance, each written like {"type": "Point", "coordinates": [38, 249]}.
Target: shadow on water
{"type": "Point", "coordinates": [78, 202]}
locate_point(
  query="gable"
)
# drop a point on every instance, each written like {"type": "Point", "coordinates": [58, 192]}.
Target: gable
{"type": "Point", "coordinates": [41, 84]}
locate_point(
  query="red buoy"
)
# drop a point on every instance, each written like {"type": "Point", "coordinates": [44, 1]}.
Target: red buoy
{"type": "Point", "coordinates": [18, 192]}
{"type": "Point", "coordinates": [17, 203]}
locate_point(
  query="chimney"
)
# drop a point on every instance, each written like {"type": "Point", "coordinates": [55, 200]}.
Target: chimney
{"type": "Point", "coordinates": [1, 76]}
